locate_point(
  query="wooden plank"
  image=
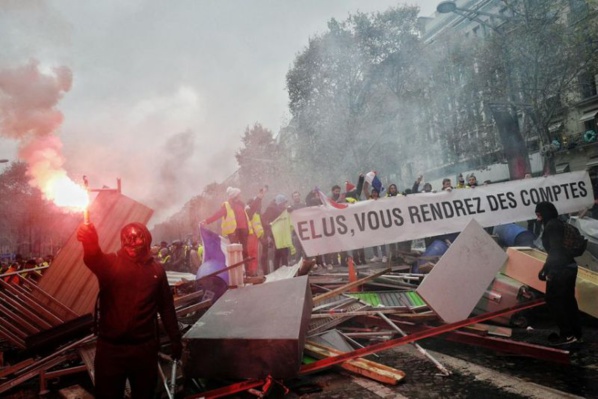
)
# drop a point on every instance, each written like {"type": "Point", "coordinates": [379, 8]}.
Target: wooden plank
{"type": "Point", "coordinates": [33, 373]}
{"type": "Point", "coordinates": [66, 350]}
{"type": "Point", "coordinates": [586, 291]}
{"type": "Point", "coordinates": [88, 354]}
{"type": "Point", "coordinates": [66, 332]}
{"type": "Point", "coordinates": [193, 308]}
{"type": "Point", "coordinates": [491, 329]}
{"type": "Point", "coordinates": [346, 313]}
{"type": "Point", "coordinates": [7, 334]}
{"type": "Point", "coordinates": [510, 346]}
{"type": "Point", "coordinates": [74, 392]}
{"type": "Point", "coordinates": [184, 299]}
{"type": "Point", "coordinates": [32, 303]}
{"type": "Point", "coordinates": [62, 311]}
{"type": "Point", "coordinates": [364, 367]}
{"type": "Point", "coordinates": [18, 322]}
{"type": "Point", "coordinates": [524, 264]}
{"type": "Point", "coordinates": [24, 311]}
{"type": "Point", "coordinates": [347, 287]}
{"type": "Point", "coordinates": [15, 367]}
{"type": "Point", "coordinates": [68, 280]}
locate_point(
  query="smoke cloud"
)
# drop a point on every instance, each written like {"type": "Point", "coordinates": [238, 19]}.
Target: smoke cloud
{"type": "Point", "coordinates": [177, 152]}
{"type": "Point", "coordinates": [29, 115]}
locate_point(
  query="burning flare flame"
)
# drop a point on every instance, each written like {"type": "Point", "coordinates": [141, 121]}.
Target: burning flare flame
{"type": "Point", "coordinates": [64, 192]}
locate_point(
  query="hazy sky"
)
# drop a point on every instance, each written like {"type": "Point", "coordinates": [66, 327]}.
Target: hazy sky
{"type": "Point", "coordinates": [160, 92]}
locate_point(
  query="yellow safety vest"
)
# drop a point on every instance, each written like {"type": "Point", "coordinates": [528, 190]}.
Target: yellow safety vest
{"type": "Point", "coordinates": [256, 224]}
{"type": "Point", "coordinates": [229, 223]}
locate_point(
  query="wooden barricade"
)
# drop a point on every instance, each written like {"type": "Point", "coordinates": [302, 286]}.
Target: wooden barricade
{"type": "Point", "coordinates": [68, 280]}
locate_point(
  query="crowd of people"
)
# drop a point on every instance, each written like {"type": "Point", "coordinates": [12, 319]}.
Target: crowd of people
{"type": "Point", "coordinates": [245, 222]}
{"type": "Point", "coordinates": [179, 256]}
{"type": "Point", "coordinates": [13, 271]}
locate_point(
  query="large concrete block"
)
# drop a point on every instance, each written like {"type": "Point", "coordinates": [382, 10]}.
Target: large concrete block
{"type": "Point", "coordinates": [251, 332]}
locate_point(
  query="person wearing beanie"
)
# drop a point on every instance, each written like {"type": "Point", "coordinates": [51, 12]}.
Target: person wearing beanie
{"type": "Point", "coordinates": [232, 192]}
{"type": "Point", "coordinates": [235, 223]}
{"type": "Point", "coordinates": [560, 273]}
{"type": "Point", "coordinates": [280, 199]}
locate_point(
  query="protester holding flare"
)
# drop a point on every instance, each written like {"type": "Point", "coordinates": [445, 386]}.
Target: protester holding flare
{"type": "Point", "coordinates": [133, 291]}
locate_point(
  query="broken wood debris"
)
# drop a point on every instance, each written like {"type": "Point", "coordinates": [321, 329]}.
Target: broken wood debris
{"type": "Point", "coordinates": [386, 305]}
{"type": "Point", "coordinates": [361, 366]}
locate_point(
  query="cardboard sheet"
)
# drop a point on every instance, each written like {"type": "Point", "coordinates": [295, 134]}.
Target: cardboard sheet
{"type": "Point", "coordinates": [463, 273]}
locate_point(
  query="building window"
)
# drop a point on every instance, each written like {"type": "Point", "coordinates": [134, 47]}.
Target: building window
{"type": "Point", "coordinates": [588, 86]}
{"type": "Point", "coordinates": [590, 125]}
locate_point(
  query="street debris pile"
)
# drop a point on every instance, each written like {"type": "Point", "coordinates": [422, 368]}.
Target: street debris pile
{"type": "Point", "coordinates": [258, 335]}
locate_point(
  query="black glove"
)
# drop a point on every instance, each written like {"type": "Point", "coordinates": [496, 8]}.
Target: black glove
{"type": "Point", "coordinates": [87, 234]}
{"type": "Point", "coordinates": [542, 275]}
{"type": "Point", "coordinates": [176, 349]}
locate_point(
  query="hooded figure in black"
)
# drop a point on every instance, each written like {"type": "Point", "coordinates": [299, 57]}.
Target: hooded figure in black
{"type": "Point", "coordinates": [133, 291]}
{"type": "Point", "coordinates": [560, 274]}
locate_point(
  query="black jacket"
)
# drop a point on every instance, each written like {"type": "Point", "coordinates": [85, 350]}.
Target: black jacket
{"type": "Point", "coordinates": [552, 238]}
{"type": "Point", "coordinates": [132, 294]}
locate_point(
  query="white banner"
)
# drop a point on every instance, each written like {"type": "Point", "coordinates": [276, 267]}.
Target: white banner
{"type": "Point", "coordinates": [323, 229]}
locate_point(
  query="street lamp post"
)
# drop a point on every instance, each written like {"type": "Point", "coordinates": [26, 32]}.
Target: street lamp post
{"type": "Point", "coordinates": [504, 113]}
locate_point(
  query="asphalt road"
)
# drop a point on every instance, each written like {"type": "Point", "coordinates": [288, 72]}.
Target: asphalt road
{"type": "Point", "coordinates": [475, 372]}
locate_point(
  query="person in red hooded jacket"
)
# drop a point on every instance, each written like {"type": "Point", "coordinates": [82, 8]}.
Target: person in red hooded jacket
{"type": "Point", "coordinates": [133, 291]}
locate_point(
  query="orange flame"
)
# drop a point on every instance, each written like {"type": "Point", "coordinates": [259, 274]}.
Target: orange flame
{"type": "Point", "coordinates": [65, 193]}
